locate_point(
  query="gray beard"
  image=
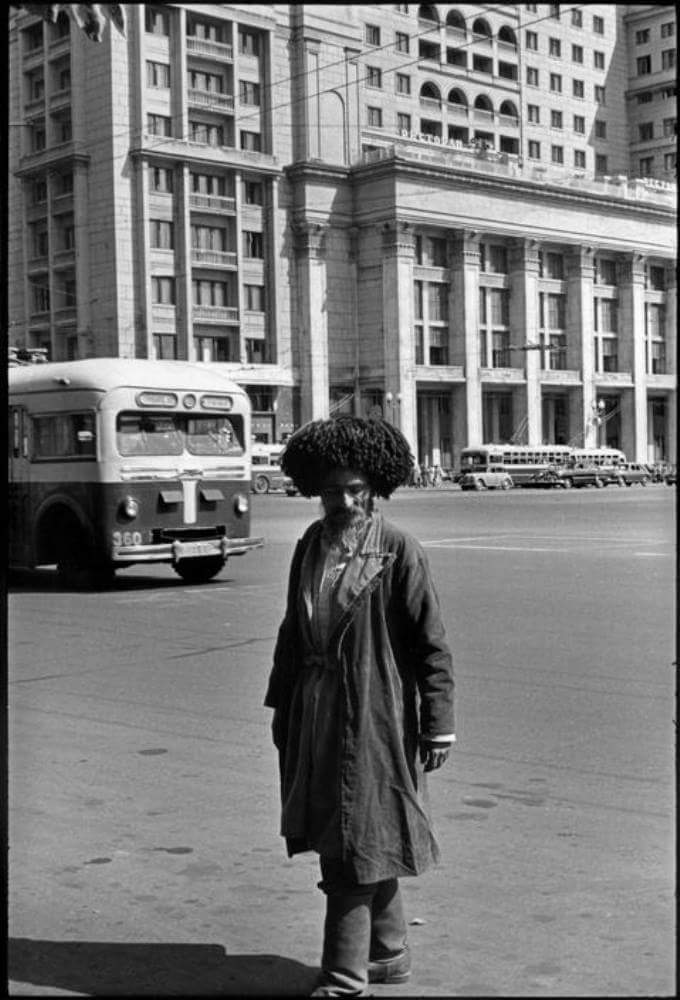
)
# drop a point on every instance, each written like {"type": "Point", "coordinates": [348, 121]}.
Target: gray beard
{"type": "Point", "coordinates": [345, 534]}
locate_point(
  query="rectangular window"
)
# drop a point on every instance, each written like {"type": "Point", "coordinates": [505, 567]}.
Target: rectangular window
{"type": "Point", "coordinates": [33, 38]}
{"type": "Point", "coordinates": [670, 126]}
{"type": "Point", "coordinates": [482, 64]}
{"type": "Point", "coordinates": [557, 154]}
{"type": "Point", "coordinates": [580, 159]}
{"type": "Point", "coordinates": [577, 53]}
{"type": "Point", "coordinates": [579, 124]}
{"type": "Point", "coordinates": [41, 298]}
{"type": "Point", "coordinates": [438, 302]}
{"type": "Point", "coordinates": [642, 37]}
{"type": "Point", "coordinates": [431, 251]}
{"type": "Point", "coordinates": [600, 163]}
{"type": "Point", "coordinates": [439, 345]}
{"type": "Point", "coordinates": [404, 123]}
{"type": "Point", "coordinates": [429, 51]}
{"type": "Point", "coordinates": [403, 83]}
{"type": "Point", "coordinates": [605, 272]}
{"type": "Point", "coordinates": [608, 315]}
{"type": "Point", "coordinates": [210, 293]}
{"type": "Point", "coordinates": [645, 98]}
{"type": "Point", "coordinates": [209, 31]}
{"type": "Point", "coordinates": [401, 42]}
{"type": "Point", "coordinates": [249, 93]}
{"type": "Point", "coordinates": [208, 135]}
{"type": "Point", "coordinates": [64, 128]}
{"type": "Point", "coordinates": [39, 193]}
{"type": "Point", "coordinates": [372, 34]}
{"type": "Point", "coordinates": [600, 94]}
{"type": "Point", "coordinates": [668, 29]}
{"type": "Point", "coordinates": [253, 193]}
{"type": "Point", "coordinates": [418, 299]}
{"type": "Point", "coordinates": [554, 267]}
{"type": "Point", "coordinates": [534, 150]}
{"type": "Point", "coordinates": [555, 47]}
{"type": "Point", "coordinates": [556, 119]}
{"type": "Point", "coordinates": [211, 83]}
{"type": "Point", "coordinates": [373, 76]}
{"type": "Point", "coordinates": [576, 17]}
{"type": "Point", "coordinates": [160, 179]}
{"type": "Point", "coordinates": [161, 234]}
{"type": "Point", "coordinates": [556, 83]}
{"type": "Point", "coordinates": [253, 244]}
{"type": "Point", "coordinates": [248, 42]}
{"type": "Point", "coordinates": [554, 9]}
{"type": "Point", "coordinates": [253, 298]}
{"type": "Point", "coordinates": [644, 65]}
{"type": "Point", "coordinates": [534, 113]}
{"type": "Point", "coordinates": [38, 136]}
{"type": "Point", "coordinates": [598, 60]}
{"type": "Point", "coordinates": [165, 346]}
{"type": "Point", "coordinates": [532, 76]}
{"type": "Point", "coordinates": [578, 88]}
{"type": "Point", "coordinates": [157, 74]}
{"type": "Point", "coordinates": [646, 166]}
{"type": "Point", "coordinates": [668, 59]}
{"type": "Point", "coordinates": [64, 435]}
{"type": "Point", "coordinates": [374, 117]}
{"type": "Point", "coordinates": [532, 41]}
{"type": "Point", "coordinates": [251, 141]}
{"type": "Point", "coordinates": [646, 131]}
{"type": "Point", "coordinates": [156, 21]}
{"type": "Point", "coordinates": [163, 290]}
{"type": "Point", "coordinates": [669, 161]}
{"type": "Point", "coordinates": [598, 25]}
{"type": "Point", "coordinates": [600, 130]}
{"type": "Point", "coordinates": [656, 278]}
{"type": "Point", "coordinates": [496, 259]}
{"type": "Point", "coordinates": [158, 125]}
{"type": "Point", "coordinates": [499, 306]}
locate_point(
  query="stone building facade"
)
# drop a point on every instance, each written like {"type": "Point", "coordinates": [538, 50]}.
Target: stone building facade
{"type": "Point", "coordinates": [373, 208]}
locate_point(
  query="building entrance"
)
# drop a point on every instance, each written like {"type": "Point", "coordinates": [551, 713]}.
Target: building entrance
{"type": "Point", "coordinates": [435, 429]}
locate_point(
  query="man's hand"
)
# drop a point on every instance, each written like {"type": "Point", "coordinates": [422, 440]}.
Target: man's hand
{"type": "Point", "coordinates": [433, 753]}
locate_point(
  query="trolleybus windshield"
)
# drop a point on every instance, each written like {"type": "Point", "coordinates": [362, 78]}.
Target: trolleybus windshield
{"type": "Point", "coordinates": [152, 434]}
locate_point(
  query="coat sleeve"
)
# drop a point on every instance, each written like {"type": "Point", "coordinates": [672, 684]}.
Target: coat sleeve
{"type": "Point", "coordinates": [423, 635]}
{"type": "Point", "coordinates": [280, 677]}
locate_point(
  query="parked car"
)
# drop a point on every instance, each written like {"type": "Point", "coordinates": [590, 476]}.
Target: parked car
{"type": "Point", "coordinates": [493, 478]}
{"type": "Point", "coordinates": [289, 487]}
{"type": "Point", "coordinates": [266, 473]}
{"type": "Point", "coordinates": [576, 476]}
{"type": "Point", "coordinates": [671, 477]}
{"type": "Point", "coordinates": [634, 472]}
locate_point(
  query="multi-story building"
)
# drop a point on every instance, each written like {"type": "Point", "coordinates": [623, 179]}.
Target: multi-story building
{"type": "Point", "coordinates": [433, 212]}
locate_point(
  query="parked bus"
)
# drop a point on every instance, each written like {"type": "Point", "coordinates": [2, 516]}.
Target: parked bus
{"type": "Point", "coordinates": [523, 462]}
{"type": "Point", "coordinates": [114, 462]}
{"type": "Point", "coordinates": [266, 474]}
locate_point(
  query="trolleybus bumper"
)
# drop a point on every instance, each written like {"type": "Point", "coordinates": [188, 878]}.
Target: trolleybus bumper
{"type": "Point", "coordinates": [172, 552]}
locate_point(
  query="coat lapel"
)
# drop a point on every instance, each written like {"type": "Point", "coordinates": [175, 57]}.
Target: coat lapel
{"type": "Point", "coordinates": [368, 564]}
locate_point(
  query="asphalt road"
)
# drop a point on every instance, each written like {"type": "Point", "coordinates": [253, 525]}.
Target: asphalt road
{"type": "Point", "coordinates": [143, 812]}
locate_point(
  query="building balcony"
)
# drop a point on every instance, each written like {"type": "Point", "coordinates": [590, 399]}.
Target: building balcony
{"type": "Point", "coordinates": [659, 381]}
{"type": "Point", "coordinates": [210, 99]}
{"type": "Point", "coordinates": [481, 115]}
{"type": "Point", "coordinates": [620, 378]}
{"type": "Point", "coordinates": [164, 312]}
{"type": "Point", "coordinates": [214, 314]}
{"type": "Point", "coordinates": [213, 258]}
{"type": "Point", "coordinates": [35, 108]}
{"type": "Point", "coordinates": [508, 122]}
{"type": "Point", "coordinates": [212, 203]}
{"type": "Point", "coordinates": [36, 264]}
{"type": "Point", "coordinates": [65, 257]}
{"type": "Point", "coordinates": [484, 40]}
{"type": "Point", "coordinates": [506, 49]}
{"type": "Point", "coordinates": [562, 377]}
{"type": "Point", "coordinates": [65, 315]}
{"type": "Point", "coordinates": [430, 103]}
{"type": "Point", "coordinates": [204, 47]}
{"type": "Point", "coordinates": [457, 112]}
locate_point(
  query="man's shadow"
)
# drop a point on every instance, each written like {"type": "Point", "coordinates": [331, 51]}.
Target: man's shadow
{"type": "Point", "coordinates": [149, 969]}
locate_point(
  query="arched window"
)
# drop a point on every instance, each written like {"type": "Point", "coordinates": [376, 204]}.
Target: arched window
{"type": "Point", "coordinates": [426, 12]}
{"type": "Point", "coordinates": [481, 27]}
{"type": "Point", "coordinates": [457, 97]}
{"type": "Point", "coordinates": [509, 109]}
{"type": "Point", "coordinates": [507, 35]}
{"type": "Point", "coordinates": [482, 103]}
{"type": "Point", "coordinates": [454, 19]}
{"type": "Point", "coordinates": [430, 91]}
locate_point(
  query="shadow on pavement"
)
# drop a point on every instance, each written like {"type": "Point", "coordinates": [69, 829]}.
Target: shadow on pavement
{"type": "Point", "coordinates": [120, 969]}
{"type": "Point", "coordinates": [41, 581]}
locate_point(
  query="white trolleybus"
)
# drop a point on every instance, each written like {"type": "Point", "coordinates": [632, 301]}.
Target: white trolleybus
{"type": "Point", "coordinates": [523, 462]}
{"type": "Point", "coordinates": [114, 462]}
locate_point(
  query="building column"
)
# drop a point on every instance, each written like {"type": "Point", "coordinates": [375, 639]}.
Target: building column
{"type": "Point", "coordinates": [184, 321]}
{"type": "Point", "coordinates": [398, 249]}
{"type": "Point", "coordinates": [464, 324]}
{"type": "Point", "coordinates": [524, 327]}
{"type": "Point", "coordinates": [313, 320]}
{"type": "Point", "coordinates": [671, 339]}
{"type": "Point", "coordinates": [580, 351]}
{"type": "Point", "coordinates": [86, 345]}
{"type": "Point", "coordinates": [631, 347]}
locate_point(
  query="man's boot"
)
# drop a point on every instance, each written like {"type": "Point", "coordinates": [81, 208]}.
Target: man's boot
{"type": "Point", "coordinates": [390, 959]}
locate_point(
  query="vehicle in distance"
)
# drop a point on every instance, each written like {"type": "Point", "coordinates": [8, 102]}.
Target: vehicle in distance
{"type": "Point", "coordinates": [266, 472]}
{"type": "Point", "coordinates": [577, 476]}
{"type": "Point", "coordinates": [671, 476]}
{"type": "Point", "coordinates": [634, 472]}
{"type": "Point", "coordinates": [494, 477]}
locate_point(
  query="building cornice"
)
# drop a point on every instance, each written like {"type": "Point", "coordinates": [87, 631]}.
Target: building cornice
{"type": "Point", "coordinates": [316, 170]}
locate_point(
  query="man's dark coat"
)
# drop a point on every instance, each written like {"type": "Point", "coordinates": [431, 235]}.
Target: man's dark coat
{"type": "Point", "coordinates": [386, 639]}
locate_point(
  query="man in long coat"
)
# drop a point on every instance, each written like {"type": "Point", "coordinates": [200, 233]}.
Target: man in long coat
{"type": "Point", "coordinates": [362, 689]}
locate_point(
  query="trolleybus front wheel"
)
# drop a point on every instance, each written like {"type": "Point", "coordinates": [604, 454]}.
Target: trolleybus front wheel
{"type": "Point", "coordinates": [76, 565]}
{"type": "Point", "coordinates": [199, 570]}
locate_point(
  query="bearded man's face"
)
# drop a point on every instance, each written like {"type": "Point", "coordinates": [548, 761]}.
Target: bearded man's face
{"type": "Point", "coordinates": [346, 500]}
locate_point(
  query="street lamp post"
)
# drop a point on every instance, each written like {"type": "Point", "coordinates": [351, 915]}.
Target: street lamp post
{"type": "Point", "coordinates": [393, 402]}
{"type": "Point", "coordinates": [598, 409]}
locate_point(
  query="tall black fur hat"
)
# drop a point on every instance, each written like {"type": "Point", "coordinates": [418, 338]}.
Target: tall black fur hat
{"type": "Point", "coordinates": [372, 447]}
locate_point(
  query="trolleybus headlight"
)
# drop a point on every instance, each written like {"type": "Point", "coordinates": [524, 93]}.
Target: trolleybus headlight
{"type": "Point", "coordinates": [129, 507]}
{"type": "Point", "coordinates": [241, 503]}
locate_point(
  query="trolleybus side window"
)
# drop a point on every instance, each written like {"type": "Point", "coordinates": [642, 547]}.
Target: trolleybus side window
{"type": "Point", "coordinates": [64, 435]}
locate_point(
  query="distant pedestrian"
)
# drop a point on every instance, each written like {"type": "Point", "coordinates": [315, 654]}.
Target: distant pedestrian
{"type": "Point", "coordinates": [415, 476]}
{"type": "Point", "coordinates": [437, 475]}
{"type": "Point", "coordinates": [426, 473]}
{"type": "Point", "coordinates": [362, 685]}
